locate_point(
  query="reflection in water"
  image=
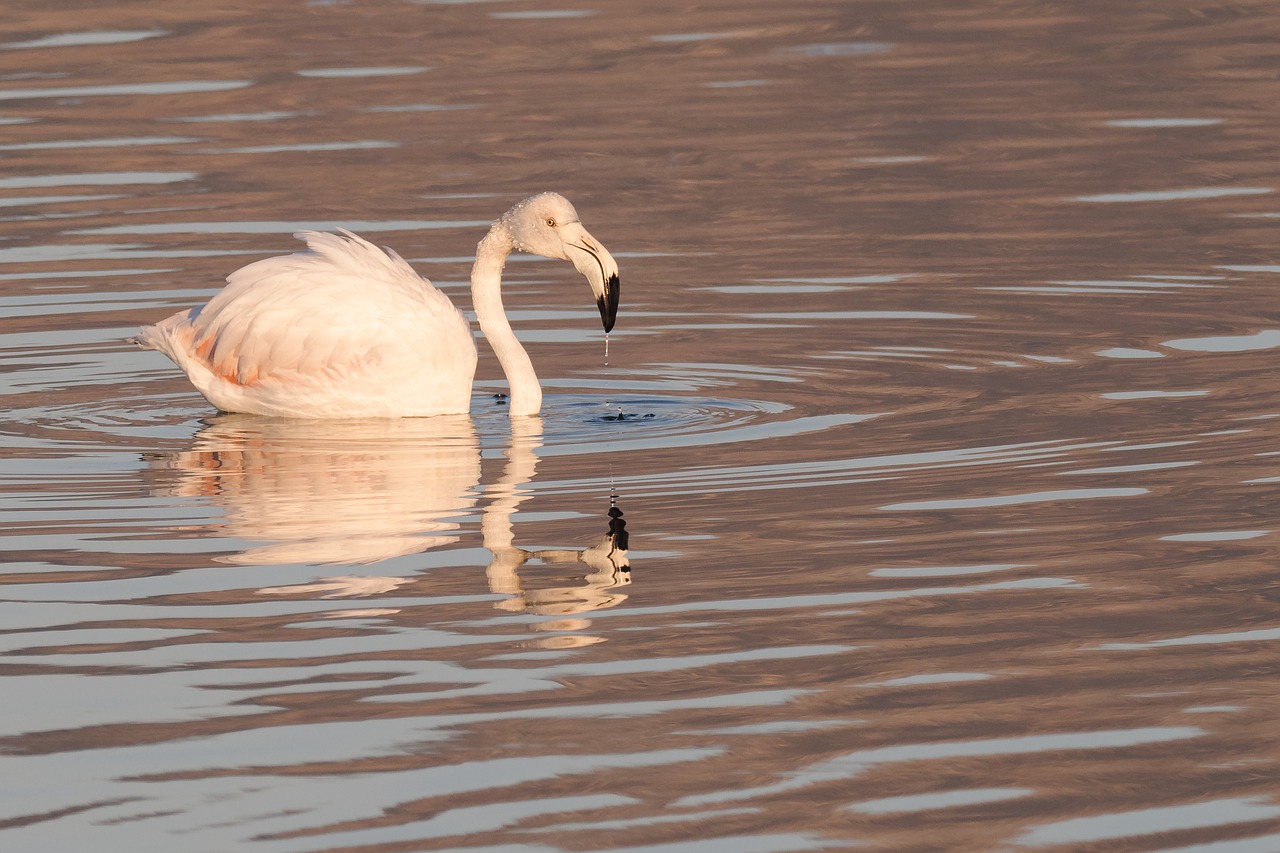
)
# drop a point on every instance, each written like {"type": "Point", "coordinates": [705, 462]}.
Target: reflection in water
{"type": "Point", "coordinates": [332, 494]}
{"type": "Point", "coordinates": [358, 492]}
{"type": "Point", "coordinates": [607, 559]}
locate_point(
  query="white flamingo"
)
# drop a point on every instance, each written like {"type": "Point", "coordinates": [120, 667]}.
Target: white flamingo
{"type": "Point", "coordinates": [348, 330]}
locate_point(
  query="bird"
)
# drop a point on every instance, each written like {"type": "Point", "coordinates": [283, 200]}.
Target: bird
{"type": "Point", "coordinates": [348, 330]}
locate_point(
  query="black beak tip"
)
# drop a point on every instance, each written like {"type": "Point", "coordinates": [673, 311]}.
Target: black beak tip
{"type": "Point", "coordinates": [608, 304]}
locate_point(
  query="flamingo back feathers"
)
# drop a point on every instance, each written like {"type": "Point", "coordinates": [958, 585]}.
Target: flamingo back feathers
{"type": "Point", "coordinates": [343, 323]}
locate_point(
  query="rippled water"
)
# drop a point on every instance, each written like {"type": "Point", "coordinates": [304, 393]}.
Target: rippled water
{"type": "Point", "coordinates": [926, 500]}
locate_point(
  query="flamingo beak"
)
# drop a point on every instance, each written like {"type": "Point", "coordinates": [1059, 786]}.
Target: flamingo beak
{"type": "Point", "coordinates": [608, 303]}
{"type": "Point", "coordinates": [601, 271]}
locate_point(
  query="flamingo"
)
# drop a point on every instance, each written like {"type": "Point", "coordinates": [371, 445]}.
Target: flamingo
{"type": "Point", "coordinates": [348, 330]}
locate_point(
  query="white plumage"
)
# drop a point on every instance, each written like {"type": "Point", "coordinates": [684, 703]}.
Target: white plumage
{"type": "Point", "coordinates": [347, 329]}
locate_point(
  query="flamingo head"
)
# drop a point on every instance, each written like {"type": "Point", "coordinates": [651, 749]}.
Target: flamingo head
{"type": "Point", "coordinates": [547, 225]}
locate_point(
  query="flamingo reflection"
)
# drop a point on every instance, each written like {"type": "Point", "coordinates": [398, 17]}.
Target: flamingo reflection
{"type": "Point", "coordinates": [344, 493]}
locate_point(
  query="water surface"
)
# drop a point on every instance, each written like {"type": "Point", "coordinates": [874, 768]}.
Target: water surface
{"type": "Point", "coordinates": [926, 500]}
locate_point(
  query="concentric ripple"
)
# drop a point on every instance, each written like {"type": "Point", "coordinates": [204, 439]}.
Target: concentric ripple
{"type": "Point", "coordinates": [579, 424]}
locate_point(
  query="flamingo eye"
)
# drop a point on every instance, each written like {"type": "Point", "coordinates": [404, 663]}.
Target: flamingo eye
{"type": "Point", "coordinates": [551, 222]}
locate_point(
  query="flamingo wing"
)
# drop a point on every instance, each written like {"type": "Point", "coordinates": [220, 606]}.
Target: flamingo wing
{"type": "Point", "coordinates": [344, 329]}
{"type": "Point", "coordinates": [343, 309]}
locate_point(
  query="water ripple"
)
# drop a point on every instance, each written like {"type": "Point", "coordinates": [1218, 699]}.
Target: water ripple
{"type": "Point", "coordinates": [372, 71]}
{"type": "Point", "coordinates": [1145, 822]}
{"type": "Point", "coordinates": [861, 761]}
{"type": "Point", "coordinates": [1016, 500]}
{"type": "Point", "coordinates": [938, 800]}
{"type": "Point", "coordinates": [181, 87]}
{"type": "Point", "coordinates": [95, 37]}
{"type": "Point", "coordinates": [1265, 339]}
{"type": "Point", "coordinates": [95, 179]}
{"type": "Point", "coordinates": [1173, 195]}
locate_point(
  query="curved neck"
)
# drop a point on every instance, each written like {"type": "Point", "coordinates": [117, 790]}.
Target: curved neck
{"type": "Point", "coordinates": [486, 298]}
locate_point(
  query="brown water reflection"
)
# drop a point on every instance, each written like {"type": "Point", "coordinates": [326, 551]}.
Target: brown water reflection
{"type": "Point", "coordinates": [953, 525]}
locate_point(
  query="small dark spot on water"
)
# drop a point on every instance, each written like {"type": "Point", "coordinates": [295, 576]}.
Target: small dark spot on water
{"type": "Point", "coordinates": [500, 399]}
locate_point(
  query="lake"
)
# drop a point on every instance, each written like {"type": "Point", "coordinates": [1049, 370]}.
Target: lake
{"type": "Point", "coordinates": [924, 501]}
